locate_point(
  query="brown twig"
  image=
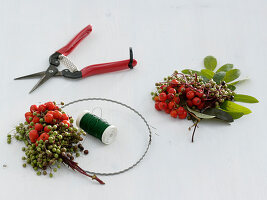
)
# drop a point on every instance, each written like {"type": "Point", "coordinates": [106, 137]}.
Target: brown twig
{"type": "Point", "coordinates": [73, 165]}
{"type": "Point", "coordinates": [194, 125]}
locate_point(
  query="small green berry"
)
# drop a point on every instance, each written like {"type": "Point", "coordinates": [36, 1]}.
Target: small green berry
{"type": "Point", "coordinates": [24, 165]}
{"type": "Point", "coordinates": [50, 175]}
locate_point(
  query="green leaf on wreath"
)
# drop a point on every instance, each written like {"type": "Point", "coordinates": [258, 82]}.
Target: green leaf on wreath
{"type": "Point", "coordinates": [235, 115]}
{"type": "Point", "coordinates": [210, 63]}
{"type": "Point", "coordinates": [233, 107]}
{"type": "Point", "coordinates": [245, 98]}
{"type": "Point", "coordinates": [218, 76]}
{"type": "Point", "coordinates": [220, 114]}
{"type": "Point", "coordinates": [200, 115]}
{"type": "Point", "coordinates": [225, 68]}
{"type": "Point", "coordinates": [231, 75]}
{"type": "Point", "coordinates": [207, 73]}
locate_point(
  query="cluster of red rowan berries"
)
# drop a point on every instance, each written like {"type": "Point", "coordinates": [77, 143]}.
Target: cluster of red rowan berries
{"type": "Point", "coordinates": [179, 91]}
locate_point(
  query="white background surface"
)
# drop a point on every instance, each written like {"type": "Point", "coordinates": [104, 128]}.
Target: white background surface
{"type": "Point", "coordinates": [225, 162]}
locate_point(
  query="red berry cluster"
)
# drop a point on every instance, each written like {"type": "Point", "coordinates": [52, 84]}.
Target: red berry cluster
{"type": "Point", "coordinates": [41, 119]}
{"type": "Point", "coordinates": [173, 97]}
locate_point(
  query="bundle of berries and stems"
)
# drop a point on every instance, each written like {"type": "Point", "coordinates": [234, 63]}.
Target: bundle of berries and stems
{"type": "Point", "coordinates": [204, 94]}
{"type": "Point", "coordinates": [50, 140]}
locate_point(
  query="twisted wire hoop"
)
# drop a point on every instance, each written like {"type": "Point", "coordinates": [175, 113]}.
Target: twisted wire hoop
{"type": "Point", "coordinates": [135, 111]}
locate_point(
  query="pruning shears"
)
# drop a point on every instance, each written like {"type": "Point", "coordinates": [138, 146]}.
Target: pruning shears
{"type": "Point", "coordinates": [72, 72]}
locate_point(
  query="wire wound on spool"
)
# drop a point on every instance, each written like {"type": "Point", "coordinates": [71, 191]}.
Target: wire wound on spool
{"type": "Point", "coordinates": [96, 127]}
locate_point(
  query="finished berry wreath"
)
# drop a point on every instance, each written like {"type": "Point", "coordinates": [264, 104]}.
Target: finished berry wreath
{"type": "Point", "coordinates": [204, 94]}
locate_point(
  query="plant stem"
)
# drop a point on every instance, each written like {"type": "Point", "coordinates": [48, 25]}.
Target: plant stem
{"type": "Point", "coordinates": [73, 165]}
{"type": "Point", "coordinates": [195, 126]}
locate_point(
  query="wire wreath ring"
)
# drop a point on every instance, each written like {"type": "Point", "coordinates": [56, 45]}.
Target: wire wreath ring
{"type": "Point", "coordinates": [135, 111]}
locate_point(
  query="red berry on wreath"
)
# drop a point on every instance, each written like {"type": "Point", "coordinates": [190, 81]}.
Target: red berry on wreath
{"type": "Point", "coordinates": [33, 135]}
{"type": "Point", "coordinates": [50, 112]}
{"type": "Point", "coordinates": [180, 110]}
{"type": "Point", "coordinates": [173, 113]}
{"type": "Point", "coordinates": [162, 105]}
{"type": "Point", "coordinates": [48, 118]}
{"type": "Point", "coordinates": [42, 108]}
{"type": "Point", "coordinates": [38, 127]}
{"type": "Point", "coordinates": [66, 122]}
{"type": "Point", "coordinates": [50, 105]}
{"type": "Point", "coordinates": [174, 83]}
{"type": "Point", "coordinates": [43, 136]}
{"type": "Point", "coordinates": [183, 115]}
{"type": "Point", "coordinates": [157, 106]}
{"type": "Point", "coordinates": [64, 117]}
{"type": "Point", "coordinates": [189, 103]}
{"type": "Point", "coordinates": [57, 114]}
{"type": "Point", "coordinates": [196, 101]}
{"type": "Point", "coordinates": [168, 87]}
{"type": "Point", "coordinates": [28, 119]}
{"type": "Point", "coordinates": [171, 105]}
{"type": "Point", "coordinates": [28, 114]}
{"type": "Point", "coordinates": [176, 100]}
{"type": "Point", "coordinates": [35, 119]}
{"type": "Point", "coordinates": [199, 93]}
{"type": "Point", "coordinates": [47, 128]}
{"type": "Point", "coordinates": [188, 89]}
{"type": "Point", "coordinates": [167, 110]}
{"type": "Point", "coordinates": [33, 108]}
{"type": "Point", "coordinates": [162, 96]}
{"type": "Point", "coordinates": [201, 106]}
{"type": "Point", "coordinates": [170, 96]}
{"type": "Point", "coordinates": [172, 90]}
{"type": "Point", "coordinates": [156, 98]}
{"type": "Point", "coordinates": [190, 95]}
{"type": "Point", "coordinates": [181, 89]}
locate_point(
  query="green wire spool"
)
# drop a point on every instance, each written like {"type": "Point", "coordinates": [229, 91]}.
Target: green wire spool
{"type": "Point", "coordinates": [96, 127]}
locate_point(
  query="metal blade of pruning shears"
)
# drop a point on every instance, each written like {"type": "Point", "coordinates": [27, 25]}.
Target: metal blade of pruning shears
{"type": "Point", "coordinates": [38, 74]}
{"type": "Point", "coordinates": [50, 72]}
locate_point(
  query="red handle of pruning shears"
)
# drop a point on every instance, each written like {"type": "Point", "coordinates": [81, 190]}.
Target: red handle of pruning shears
{"type": "Point", "coordinates": [66, 50]}
{"type": "Point", "coordinates": [107, 67]}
